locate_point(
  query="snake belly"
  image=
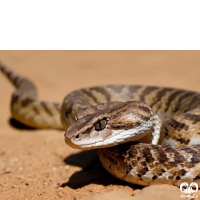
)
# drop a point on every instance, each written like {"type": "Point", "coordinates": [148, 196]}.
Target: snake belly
{"type": "Point", "coordinates": [174, 161]}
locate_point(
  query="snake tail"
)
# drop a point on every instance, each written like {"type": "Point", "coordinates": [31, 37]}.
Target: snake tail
{"type": "Point", "coordinates": [25, 107]}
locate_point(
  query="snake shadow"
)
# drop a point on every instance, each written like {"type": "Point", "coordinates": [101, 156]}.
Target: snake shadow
{"type": "Point", "coordinates": [18, 125]}
{"type": "Point", "coordinates": [92, 171]}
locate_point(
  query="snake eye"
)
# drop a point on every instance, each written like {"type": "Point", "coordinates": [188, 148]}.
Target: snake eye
{"type": "Point", "coordinates": [76, 137]}
{"type": "Point", "coordinates": [100, 125]}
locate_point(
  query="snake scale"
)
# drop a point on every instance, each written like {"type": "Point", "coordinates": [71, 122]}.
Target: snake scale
{"type": "Point", "coordinates": [146, 135]}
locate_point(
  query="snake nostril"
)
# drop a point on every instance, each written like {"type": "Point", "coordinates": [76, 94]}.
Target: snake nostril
{"type": "Point", "coordinates": [77, 137]}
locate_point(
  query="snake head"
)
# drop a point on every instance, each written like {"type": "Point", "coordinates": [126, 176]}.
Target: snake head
{"type": "Point", "coordinates": [110, 124]}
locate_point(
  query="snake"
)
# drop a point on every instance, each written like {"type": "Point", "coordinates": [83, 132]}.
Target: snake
{"type": "Point", "coordinates": [146, 135]}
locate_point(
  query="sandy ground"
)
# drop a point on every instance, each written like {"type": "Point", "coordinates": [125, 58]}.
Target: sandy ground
{"type": "Point", "coordinates": [36, 164]}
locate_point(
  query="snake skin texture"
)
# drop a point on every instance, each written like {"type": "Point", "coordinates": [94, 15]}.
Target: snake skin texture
{"type": "Point", "coordinates": [174, 157]}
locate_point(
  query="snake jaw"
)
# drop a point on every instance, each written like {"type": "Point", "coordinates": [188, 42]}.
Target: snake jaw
{"type": "Point", "coordinates": [107, 137]}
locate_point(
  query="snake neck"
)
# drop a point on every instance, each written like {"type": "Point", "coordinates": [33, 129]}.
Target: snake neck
{"type": "Point", "coordinates": [153, 135]}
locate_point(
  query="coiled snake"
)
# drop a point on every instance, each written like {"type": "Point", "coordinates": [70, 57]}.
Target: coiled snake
{"type": "Point", "coordinates": [124, 121]}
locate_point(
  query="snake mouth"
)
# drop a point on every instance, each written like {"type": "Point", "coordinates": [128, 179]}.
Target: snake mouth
{"type": "Point", "coordinates": [109, 142]}
{"type": "Point", "coordinates": [78, 146]}
{"type": "Point", "coordinates": [69, 143]}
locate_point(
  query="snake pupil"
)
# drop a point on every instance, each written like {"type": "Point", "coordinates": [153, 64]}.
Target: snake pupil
{"type": "Point", "coordinates": [100, 125]}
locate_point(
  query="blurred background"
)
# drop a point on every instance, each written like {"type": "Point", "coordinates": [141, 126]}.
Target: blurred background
{"type": "Point", "coordinates": [56, 73]}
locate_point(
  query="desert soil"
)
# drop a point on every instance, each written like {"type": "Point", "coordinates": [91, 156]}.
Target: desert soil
{"type": "Point", "coordinates": [37, 164]}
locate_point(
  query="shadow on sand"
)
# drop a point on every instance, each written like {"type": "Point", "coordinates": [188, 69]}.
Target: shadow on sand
{"type": "Point", "coordinates": [92, 171]}
{"type": "Point", "coordinates": [18, 125]}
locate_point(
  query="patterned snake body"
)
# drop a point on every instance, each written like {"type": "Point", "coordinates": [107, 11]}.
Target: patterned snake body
{"type": "Point", "coordinates": [126, 119]}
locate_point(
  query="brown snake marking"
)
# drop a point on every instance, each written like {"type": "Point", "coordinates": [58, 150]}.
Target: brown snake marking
{"type": "Point", "coordinates": [139, 163]}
